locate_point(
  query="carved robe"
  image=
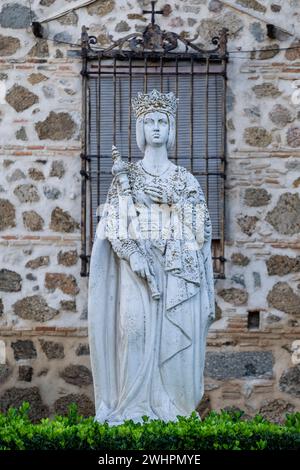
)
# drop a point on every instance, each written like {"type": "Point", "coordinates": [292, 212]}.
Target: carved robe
{"type": "Point", "coordinates": [148, 355]}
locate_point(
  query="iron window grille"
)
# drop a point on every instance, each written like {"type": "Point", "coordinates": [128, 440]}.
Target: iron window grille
{"type": "Point", "coordinates": [111, 77]}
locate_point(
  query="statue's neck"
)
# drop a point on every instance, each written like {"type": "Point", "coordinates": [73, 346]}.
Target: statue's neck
{"type": "Point", "coordinates": [155, 158]}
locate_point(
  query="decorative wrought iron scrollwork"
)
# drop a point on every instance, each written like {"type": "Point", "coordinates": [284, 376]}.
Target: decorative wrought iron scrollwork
{"type": "Point", "coordinates": [155, 39]}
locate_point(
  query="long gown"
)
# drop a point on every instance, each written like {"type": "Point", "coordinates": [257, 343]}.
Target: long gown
{"type": "Point", "coordinates": [147, 355]}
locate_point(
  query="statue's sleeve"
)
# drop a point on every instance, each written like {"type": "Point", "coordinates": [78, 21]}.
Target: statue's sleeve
{"type": "Point", "coordinates": [123, 247]}
{"type": "Point", "coordinates": [195, 193]}
{"type": "Point", "coordinates": [193, 198]}
{"type": "Point", "coordinates": [208, 264]}
{"type": "Point", "coordinates": [190, 206]}
{"type": "Point", "coordinates": [207, 254]}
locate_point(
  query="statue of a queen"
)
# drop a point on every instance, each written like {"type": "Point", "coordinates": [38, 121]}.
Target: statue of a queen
{"type": "Point", "coordinates": [151, 287]}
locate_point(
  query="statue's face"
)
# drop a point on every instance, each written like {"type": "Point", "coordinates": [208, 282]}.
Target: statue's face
{"type": "Point", "coordinates": [156, 128]}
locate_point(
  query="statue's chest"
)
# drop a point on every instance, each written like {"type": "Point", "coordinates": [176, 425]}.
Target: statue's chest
{"type": "Point", "coordinates": [139, 181]}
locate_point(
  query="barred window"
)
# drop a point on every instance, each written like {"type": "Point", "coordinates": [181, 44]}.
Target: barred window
{"type": "Point", "coordinates": [110, 80]}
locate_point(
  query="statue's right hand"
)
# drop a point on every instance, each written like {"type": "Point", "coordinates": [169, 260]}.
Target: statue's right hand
{"type": "Point", "coordinates": [139, 264]}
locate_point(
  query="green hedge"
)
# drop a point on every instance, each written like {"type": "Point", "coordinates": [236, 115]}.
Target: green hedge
{"type": "Point", "coordinates": [218, 431]}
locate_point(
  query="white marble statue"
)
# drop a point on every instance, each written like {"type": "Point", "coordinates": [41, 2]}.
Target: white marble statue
{"type": "Point", "coordinates": [151, 288]}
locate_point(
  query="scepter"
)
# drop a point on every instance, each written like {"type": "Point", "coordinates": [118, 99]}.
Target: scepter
{"type": "Point", "coordinates": [119, 170]}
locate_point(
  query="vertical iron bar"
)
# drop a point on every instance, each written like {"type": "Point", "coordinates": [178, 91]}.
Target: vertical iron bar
{"type": "Point", "coordinates": [83, 271]}
{"type": "Point", "coordinates": [145, 74]}
{"type": "Point", "coordinates": [115, 100]}
{"type": "Point", "coordinates": [223, 166]}
{"type": "Point", "coordinates": [161, 75]}
{"type": "Point", "coordinates": [91, 215]}
{"type": "Point", "coordinates": [206, 132]}
{"type": "Point", "coordinates": [91, 208]}
{"type": "Point", "coordinates": [176, 92]}
{"type": "Point", "coordinates": [192, 114]}
{"type": "Point", "coordinates": [129, 108]}
{"type": "Point", "coordinates": [216, 161]}
{"type": "Point", "coordinates": [98, 130]}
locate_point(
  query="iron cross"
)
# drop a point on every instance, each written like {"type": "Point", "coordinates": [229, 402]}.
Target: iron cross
{"type": "Point", "coordinates": [153, 12]}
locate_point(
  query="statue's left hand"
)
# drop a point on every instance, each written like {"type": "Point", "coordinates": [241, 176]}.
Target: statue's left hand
{"type": "Point", "coordinates": [157, 194]}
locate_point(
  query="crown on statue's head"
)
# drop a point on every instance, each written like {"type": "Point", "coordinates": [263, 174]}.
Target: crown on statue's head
{"type": "Point", "coordinates": [154, 101]}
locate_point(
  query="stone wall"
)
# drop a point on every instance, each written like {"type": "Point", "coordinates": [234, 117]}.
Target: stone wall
{"type": "Point", "coordinates": [43, 298]}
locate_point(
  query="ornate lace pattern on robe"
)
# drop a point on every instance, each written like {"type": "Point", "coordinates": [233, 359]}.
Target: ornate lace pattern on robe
{"type": "Point", "coordinates": [184, 194]}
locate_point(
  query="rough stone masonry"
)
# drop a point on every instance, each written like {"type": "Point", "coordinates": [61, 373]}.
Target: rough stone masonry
{"type": "Point", "coordinates": [43, 299]}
